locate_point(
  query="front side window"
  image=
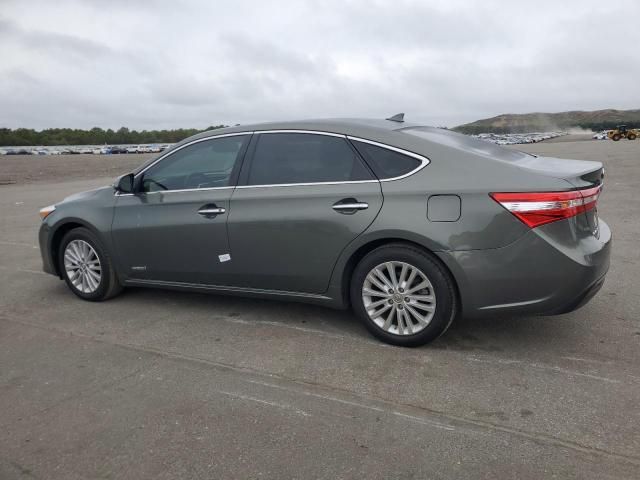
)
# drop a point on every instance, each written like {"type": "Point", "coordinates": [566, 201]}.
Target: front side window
{"type": "Point", "coordinates": [384, 162]}
{"type": "Point", "coordinates": [286, 158]}
{"type": "Point", "coordinates": [205, 164]}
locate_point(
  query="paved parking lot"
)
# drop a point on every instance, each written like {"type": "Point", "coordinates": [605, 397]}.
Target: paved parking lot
{"type": "Point", "coordinates": [157, 384]}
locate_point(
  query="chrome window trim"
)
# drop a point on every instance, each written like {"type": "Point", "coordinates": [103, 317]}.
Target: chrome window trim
{"type": "Point", "coordinates": [182, 190]}
{"type": "Point", "coordinates": [424, 161]}
{"type": "Point", "coordinates": [309, 184]}
{"type": "Point", "coordinates": [311, 132]}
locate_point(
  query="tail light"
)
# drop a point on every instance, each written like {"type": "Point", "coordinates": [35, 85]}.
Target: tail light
{"type": "Point", "coordinates": [537, 208]}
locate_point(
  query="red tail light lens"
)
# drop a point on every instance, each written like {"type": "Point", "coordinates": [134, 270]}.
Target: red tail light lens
{"type": "Point", "coordinates": [538, 208]}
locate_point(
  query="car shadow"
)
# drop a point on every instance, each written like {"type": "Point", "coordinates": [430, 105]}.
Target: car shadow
{"type": "Point", "coordinates": [505, 335]}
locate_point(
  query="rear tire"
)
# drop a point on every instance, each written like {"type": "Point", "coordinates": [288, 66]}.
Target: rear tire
{"type": "Point", "coordinates": [403, 314]}
{"type": "Point", "coordinates": [86, 266]}
{"type": "Point", "coordinates": [631, 136]}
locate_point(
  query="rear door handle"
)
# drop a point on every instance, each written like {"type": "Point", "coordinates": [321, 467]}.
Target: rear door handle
{"type": "Point", "coordinates": [349, 206]}
{"type": "Point", "coordinates": [210, 211]}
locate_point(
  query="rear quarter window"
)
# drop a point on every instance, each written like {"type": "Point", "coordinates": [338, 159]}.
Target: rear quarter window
{"type": "Point", "coordinates": [384, 162]}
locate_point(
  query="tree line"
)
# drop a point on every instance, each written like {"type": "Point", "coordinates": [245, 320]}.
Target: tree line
{"type": "Point", "coordinates": [96, 136]}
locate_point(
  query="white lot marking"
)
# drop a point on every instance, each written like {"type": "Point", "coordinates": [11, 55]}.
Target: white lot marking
{"type": "Point", "coordinates": [24, 270]}
{"type": "Point", "coordinates": [544, 367]}
{"type": "Point", "coordinates": [282, 406]}
{"type": "Point", "coordinates": [487, 426]}
{"type": "Point", "coordinates": [586, 360]}
{"type": "Point", "coordinates": [18, 244]}
{"type": "Point", "coordinates": [424, 421]}
{"type": "Point", "coordinates": [359, 340]}
{"type": "Point", "coordinates": [21, 215]}
{"type": "Point", "coordinates": [306, 330]}
{"type": "Point", "coordinates": [499, 361]}
{"type": "Point", "coordinates": [421, 420]}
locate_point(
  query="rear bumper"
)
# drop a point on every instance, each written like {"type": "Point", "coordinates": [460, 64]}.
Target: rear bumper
{"type": "Point", "coordinates": [539, 274]}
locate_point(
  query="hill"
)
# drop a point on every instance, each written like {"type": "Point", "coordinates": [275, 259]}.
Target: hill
{"type": "Point", "coordinates": [546, 122]}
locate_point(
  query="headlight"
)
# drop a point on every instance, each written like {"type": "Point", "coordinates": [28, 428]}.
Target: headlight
{"type": "Point", "coordinates": [44, 212]}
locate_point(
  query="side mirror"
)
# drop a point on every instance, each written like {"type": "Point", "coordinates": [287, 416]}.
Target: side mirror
{"type": "Point", "coordinates": [124, 184]}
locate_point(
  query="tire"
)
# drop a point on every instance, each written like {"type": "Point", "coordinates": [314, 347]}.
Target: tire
{"type": "Point", "coordinates": [81, 243]}
{"type": "Point", "coordinates": [616, 137]}
{"type": "Point", "coordinates": [631, 136]}
{"type": "Point", "coordinates": [440, 287]}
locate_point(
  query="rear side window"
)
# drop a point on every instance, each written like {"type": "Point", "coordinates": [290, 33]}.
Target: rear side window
{"type": "Point", "coordinates": [386, 163]}
{"type": "Point", "coordinates": [286, 158]}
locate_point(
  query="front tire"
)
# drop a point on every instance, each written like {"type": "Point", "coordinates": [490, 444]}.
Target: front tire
{"type": "Point", "coordinates": [616, 137]}
{"type": "Point", "coordinates": [403, 295]}
{"type": "Point", "coordinates": [86, 267]}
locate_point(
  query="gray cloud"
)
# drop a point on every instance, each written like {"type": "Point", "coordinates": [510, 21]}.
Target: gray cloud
{"type": "Point", "coordinates": [157, 64]}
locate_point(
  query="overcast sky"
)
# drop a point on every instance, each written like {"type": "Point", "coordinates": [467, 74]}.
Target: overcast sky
{"type": "Point", "coordinates": [164, 64]}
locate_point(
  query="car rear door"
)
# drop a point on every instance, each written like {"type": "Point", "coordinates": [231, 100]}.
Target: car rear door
{"type": "Point", "coordinates": [302, 197]}
{"type": "Point", "coordinates": [174, 228]}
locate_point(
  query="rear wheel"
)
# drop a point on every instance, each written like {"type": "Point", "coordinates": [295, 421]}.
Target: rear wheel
{"type": "Point", "coordinates": [403, 295]}
{"type": "Point", "coordinates": [616, 137]}
{"type": "Point", "coordinates": [631, 136]}
{"type": "Point", "coordinates": [86, 267]}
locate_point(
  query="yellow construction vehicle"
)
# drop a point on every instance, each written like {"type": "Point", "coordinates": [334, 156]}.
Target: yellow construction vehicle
{"type": "Point", "coordinates": [621, 131]}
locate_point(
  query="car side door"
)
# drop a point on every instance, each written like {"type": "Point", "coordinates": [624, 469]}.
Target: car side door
{"type": "Point", "coordinates": [302, 197]}
{"type": "Point", "coordinates": [173, 228]}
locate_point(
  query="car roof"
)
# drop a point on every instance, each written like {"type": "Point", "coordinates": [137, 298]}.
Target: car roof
{"type": "Point", "coordinates": [363, 127]}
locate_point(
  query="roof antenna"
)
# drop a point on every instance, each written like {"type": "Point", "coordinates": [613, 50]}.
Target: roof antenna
{"type": "Point", "coordinates": [398, 117]}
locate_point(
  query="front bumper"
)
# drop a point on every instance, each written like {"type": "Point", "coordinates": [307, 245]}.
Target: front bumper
{"type": "Point", "coordinates": [537, 274]}
{"type": "Point", "coordinates": [44, 240]}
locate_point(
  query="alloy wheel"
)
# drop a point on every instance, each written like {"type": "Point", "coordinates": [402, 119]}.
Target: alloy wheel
{"type": "Point", "coordinates": [82, 265]}
{"type": "Point", "coordinates": [399, 298]}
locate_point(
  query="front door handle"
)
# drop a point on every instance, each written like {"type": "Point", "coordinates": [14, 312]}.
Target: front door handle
{"type": "Point", "coordinates": [210, 211]}
{"type": "Point", "coordinates": [349, 206]}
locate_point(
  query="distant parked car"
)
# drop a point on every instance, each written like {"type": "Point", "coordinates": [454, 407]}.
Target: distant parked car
{"type": "Point", "coordinates": [132, 149]}
{"type": "Point", "coordinates": [118, 150]}
{"type": "Point", "coordinates": [409, 225]}
{"type": "Point", "coordinates": [600, 135]}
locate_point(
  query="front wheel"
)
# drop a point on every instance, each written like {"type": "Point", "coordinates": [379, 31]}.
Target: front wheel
{"type": "Point", "coordinates": [403, 295]}
{"type": "Point", "coordinates": [86, 267]}
{"type": "Point", "coordinates": [616, 137]}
